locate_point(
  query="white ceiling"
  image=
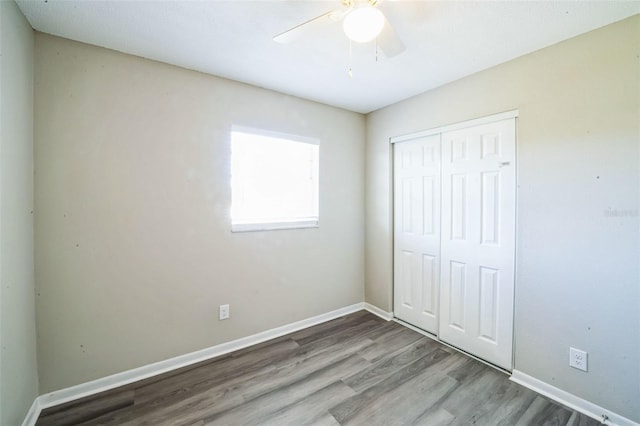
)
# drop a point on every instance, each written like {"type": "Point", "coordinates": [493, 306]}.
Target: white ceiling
{"type": "Point", "coordinates": [445, 40]}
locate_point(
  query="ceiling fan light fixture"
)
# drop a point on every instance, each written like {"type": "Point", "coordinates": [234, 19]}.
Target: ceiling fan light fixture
{"type": "Point", "coordinates": [363, 24]}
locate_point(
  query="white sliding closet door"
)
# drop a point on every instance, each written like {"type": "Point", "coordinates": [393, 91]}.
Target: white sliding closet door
{"type": "Point", "coordinates": [454, 236]}
{"type": "Point", "coordinates": [417, 231]}
{"type": "Point", "coordinates": [478, 240]}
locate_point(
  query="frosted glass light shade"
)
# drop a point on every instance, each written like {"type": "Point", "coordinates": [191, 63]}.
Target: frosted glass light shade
{"type": "Point", "coordinates": [363, 24]}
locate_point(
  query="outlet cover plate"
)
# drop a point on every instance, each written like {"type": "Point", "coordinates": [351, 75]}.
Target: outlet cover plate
{"type": "Point", "coordinates": [224, 312]}
{"type": "Point", "coordinates": [578, 359]}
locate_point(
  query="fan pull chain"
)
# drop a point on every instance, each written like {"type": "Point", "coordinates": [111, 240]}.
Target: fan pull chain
{"type": "Point", "coordinates": [350, 59]}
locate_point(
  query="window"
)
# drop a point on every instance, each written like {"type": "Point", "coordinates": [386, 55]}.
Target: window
{"type": "Point", "coordinates": [274, 181]}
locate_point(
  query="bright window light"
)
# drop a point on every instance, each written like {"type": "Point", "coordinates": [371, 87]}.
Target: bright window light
{"type": "Point", "coordinates": [274, 181]}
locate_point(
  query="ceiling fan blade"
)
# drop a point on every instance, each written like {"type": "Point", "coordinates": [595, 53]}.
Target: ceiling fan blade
{"type": "Point", "coordinates": [389, 42]}
{"type": "Point", "coordinates": [298, 31]}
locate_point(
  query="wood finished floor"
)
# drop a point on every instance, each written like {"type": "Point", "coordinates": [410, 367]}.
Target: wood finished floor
{"type": "Point", "coordinates": [354, 370]}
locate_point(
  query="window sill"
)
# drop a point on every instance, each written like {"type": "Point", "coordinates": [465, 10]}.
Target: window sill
{"type": "Point", "coordinates": [274, 226]}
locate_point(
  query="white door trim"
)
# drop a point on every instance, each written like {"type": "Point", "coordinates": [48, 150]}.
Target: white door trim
{"type": "Point", "coordinates": [456, 126]}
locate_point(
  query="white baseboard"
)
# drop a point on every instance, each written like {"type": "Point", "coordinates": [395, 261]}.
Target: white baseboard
{"type": "Point", "coordinates": [571, 401]}
{"type": "Point", "coordinates": [119, 379]}
{"type": "Point", "coordinates": [379, 312]}
{"type": "Point", "coordinates": [32, 415]}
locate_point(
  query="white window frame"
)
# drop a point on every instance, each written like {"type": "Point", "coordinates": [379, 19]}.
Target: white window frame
{"type": "Point", "coordinates": [298, 223]}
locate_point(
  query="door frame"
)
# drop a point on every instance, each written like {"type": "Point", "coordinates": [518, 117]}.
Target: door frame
{"type": "Point", "coordinates": [457, 126]}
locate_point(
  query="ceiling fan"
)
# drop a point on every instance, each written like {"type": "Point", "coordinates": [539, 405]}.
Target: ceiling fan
{"type": "Point", "coordinates": [362, 21]}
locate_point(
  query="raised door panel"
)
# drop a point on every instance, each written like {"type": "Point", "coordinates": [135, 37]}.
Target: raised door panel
{"type": "Point", "coordinates": [457, 296]}
{"type": "Point", "coordinates": [429, 285]}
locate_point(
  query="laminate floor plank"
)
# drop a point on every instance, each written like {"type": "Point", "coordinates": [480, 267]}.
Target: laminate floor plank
{"type": "Point", "coordinates": [352, 407]}
{"type": "Point", "coordinates": [326, 420]}
{"type": "Point", "coordinates": [188, 408]}
{"type": "Point", "coordinates": [472, 396]}
{"type": "Point", "coordinates": [356, 335]}
{"type": "Point", "coordinates": [304, 367]}
{"type": "Point", "coordinates": [543, 412]}
{"type": "Point", "coordinates": [312, 409]}
{"type": "Point", "coordinates": [480, 406]}
{"type": "Point", "coordinates": [579, 419]}
{"type": "Point", "coordinates": [397, 337]}
{"type": "Point", "coordinates": [437, 417]}
{"type": "Point", "coordinates": [73, 414]}
{"type": "Point", "coordinates": [384, 328]}
{"type": "Point", "coordinates": [405, 404]}
{"type": "Point", "coordinates": [390, 365]}
{"type": "Point", "coordinates": [511, 407]}
{"type": "Point", "coordinates": [369, 326]}
{"type": "Point", "coordinates": [355, 370]}
{"type": "Point", "coordinates": [220, 371]}
{"type": "Point", "coordinates": [330, 327]}
{"type": "Point", "coordinates": [214, 395]}
{"type": "Point", "coordinates": [256, 409]}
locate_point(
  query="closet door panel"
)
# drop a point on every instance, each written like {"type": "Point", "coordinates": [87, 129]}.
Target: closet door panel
{"type": "Point", "coordinates": [417, 232]}
{"type": "Point", "coordinates": [478, 240]}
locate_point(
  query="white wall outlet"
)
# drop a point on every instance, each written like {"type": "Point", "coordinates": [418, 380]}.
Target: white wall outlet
{"type": "Point", "coordinates": [224, 312]}
{"type": "Point", "coordinates": [578, 359]}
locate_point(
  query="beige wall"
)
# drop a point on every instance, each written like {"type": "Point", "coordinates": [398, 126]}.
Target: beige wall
{"type": "Point", "coordinates": [133, 245]}
{"type": "Point", "coordinates": [18, 368]}
{"type": "Point", "coordinates": [578, 198]}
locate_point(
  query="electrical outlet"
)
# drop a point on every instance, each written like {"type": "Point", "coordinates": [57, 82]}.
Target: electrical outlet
{"type": "Point", "coordinates": [578, 359]}
{"type": "Point", "coordinates": [224, 312]}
